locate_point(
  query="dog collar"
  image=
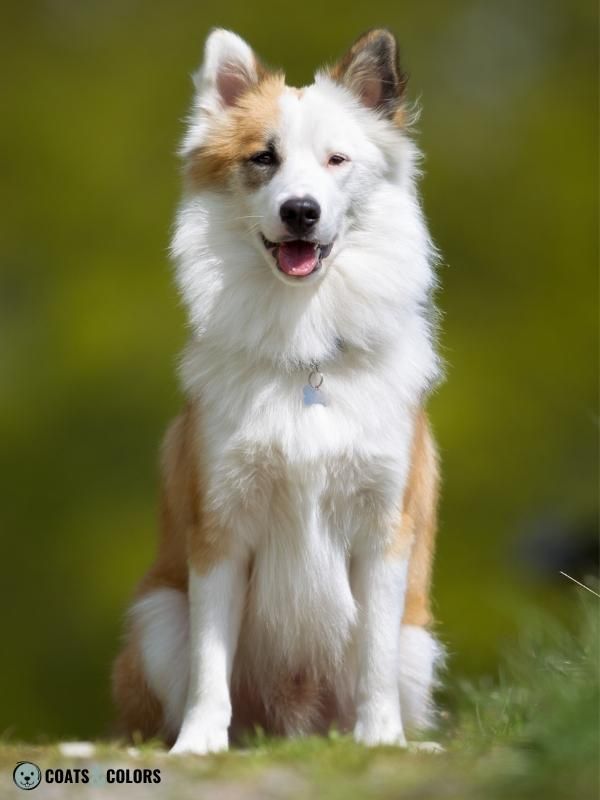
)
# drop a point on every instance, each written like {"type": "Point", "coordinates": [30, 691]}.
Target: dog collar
{"type": "Point", "coordinates": [312, 391]}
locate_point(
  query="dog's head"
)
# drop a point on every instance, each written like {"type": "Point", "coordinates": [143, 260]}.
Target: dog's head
{"type": "Point", "coordinates": [297, 165]}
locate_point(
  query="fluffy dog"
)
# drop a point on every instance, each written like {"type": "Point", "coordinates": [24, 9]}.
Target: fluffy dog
{"type": "Point", "coordinates": [291, 585]}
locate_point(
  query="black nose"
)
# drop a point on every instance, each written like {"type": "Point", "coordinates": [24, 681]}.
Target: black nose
{"type": "Point", "coordinates": [300, 214]}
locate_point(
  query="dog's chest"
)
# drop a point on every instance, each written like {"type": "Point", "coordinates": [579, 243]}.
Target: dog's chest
{"type": "Point", "coordinates": [298, 492]}
{"type": "Point", "coordinates": [277, 464]}
{"type": "Point", "coordinates": [311, 474]}
{"type": "Point", "coordinates": [298, 486]}
{"type": "Point", "coordinates": [299, 601]}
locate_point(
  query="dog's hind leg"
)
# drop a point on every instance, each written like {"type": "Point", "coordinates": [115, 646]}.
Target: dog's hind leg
{"type": "Point", "coordinates": [150, 675]}
{"type": "Point", "coordinates": [420, 659]}
{"type": "Point", "coordinates": [420, 653]}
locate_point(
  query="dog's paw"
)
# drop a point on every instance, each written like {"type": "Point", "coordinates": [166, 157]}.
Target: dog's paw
{"type": "Point", "coordinates": [381, 730]}
{"type": "Point", "coordinates": [200, 742]}
{"type": "Point", "coordinates": [201, 739]}
{"type": "Point", "coordinates": [204, 730]}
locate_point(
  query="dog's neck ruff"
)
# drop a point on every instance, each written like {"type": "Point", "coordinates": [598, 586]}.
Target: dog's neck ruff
{"type": "Point", "coordinates": [312, 391]}
{"type": "Point", "coordinates": [340, 347]}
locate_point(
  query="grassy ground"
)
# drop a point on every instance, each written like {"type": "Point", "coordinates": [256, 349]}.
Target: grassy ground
{"type": "Point", "coordinates": [532, 732]}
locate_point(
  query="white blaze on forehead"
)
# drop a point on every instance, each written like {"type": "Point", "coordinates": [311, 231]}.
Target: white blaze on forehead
{"type": "Point", "coordinates": [296, 142]}
{"type": "Point", "coordinates": [312, 125]}
{"type": "Point", "coordinates": [309, 122]}
{"type": "Point", "coordinates": [323, 119]}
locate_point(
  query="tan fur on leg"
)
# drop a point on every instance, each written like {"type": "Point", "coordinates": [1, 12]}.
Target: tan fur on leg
{"type": "Point", "coordinates": [420, 502]}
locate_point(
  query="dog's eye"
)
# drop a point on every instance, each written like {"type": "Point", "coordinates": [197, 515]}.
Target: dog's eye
{"type": "Point", "coordinates": [336, 159]}
{"type": "Point", "coordinates": [264, 158]}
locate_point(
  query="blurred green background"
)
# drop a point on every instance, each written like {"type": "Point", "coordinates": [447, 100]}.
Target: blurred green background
{"type": "Point", "coordinates": [94, 94]}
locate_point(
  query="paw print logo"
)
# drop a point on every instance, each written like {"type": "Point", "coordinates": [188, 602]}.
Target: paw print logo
{"type": "Point", "coordinates": [27, 775]}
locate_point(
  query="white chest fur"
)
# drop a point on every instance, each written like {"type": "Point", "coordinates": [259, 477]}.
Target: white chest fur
{"type": "Point", "coordinates": [300, 487]}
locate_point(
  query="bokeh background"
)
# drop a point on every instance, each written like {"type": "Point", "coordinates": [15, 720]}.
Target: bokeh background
{"type": "Point", "coordinates": [94, 94]}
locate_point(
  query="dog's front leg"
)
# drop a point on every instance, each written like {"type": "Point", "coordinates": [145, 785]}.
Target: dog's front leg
{"type": "Point", "coordinates": [379, 584]}
{"type": "Point", "coordinates": [216, 601]}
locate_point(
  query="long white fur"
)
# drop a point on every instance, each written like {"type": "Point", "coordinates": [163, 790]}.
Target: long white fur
{"type": "Point", "coordinates": [216, 603]}
{"type": "Point", "coordinates": [160, 619]}
{"type": "Point", "coordinates": [380, 587]}
{"type": "Point", "coordinates": [421, 658]}
{"type": "Point", "coordinates": [306, 491]}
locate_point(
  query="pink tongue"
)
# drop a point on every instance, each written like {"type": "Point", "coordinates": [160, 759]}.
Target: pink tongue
{"type": "Point", "coordinates": [297, 258]}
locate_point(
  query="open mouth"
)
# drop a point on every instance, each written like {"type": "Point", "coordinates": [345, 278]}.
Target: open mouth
{"type": "Point", "coordinates": [298, 258]}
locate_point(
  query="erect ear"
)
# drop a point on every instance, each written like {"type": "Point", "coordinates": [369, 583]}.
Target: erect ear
{"type": "Point", "coordinates": [229, 68]}
{"type": "Point", "coordinates": [370, 69]}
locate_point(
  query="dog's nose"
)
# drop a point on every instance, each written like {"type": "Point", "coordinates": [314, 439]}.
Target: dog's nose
{"type": "Point", "coordinates": [300, 214]}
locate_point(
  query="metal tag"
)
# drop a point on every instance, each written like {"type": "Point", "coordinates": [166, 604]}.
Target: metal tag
{"type": "Point", "coordinates": [314, 397]}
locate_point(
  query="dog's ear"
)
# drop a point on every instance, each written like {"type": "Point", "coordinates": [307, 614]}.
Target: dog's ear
{"type": "Point", "coordinates": [229, 68]}
{"type": "Point", "coordinates": [370, 69]}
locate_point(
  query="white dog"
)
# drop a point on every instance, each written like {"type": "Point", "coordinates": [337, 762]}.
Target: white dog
{"type": "Point", "coordinates": [291, 586]}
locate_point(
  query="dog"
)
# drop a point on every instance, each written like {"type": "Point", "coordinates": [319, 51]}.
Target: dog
{"type": "Point", "coordinates": [291, 589]}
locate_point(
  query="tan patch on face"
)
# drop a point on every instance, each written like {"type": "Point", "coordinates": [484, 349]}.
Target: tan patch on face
{"type": "Point", "coordinates": [243, 130]}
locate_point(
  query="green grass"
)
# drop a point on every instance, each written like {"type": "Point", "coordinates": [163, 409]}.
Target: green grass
{"type": "Point", "coordinates": [531, 732]}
